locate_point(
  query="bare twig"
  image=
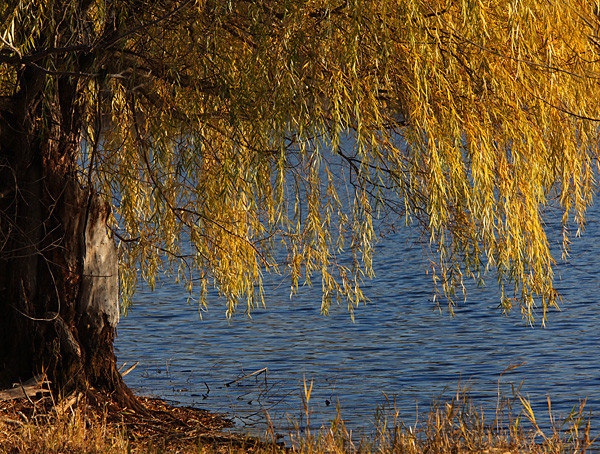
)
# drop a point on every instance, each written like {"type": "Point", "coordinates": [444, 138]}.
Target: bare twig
{"type": "Point", "coordinates": [263, 370]}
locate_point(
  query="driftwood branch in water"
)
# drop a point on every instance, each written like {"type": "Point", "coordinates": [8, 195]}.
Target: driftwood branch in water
{"type": "Point", "coordinates": [264, 370]}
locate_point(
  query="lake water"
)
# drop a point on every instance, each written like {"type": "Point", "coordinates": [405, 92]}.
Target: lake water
{"type": "Point", "coordinates": [398, 346]}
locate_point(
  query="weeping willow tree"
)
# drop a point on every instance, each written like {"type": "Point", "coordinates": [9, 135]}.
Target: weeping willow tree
{"type": "Point", "coordinates": [221, 140]}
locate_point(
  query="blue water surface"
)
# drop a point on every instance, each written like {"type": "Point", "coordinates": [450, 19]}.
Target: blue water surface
{"type": "Point", "coordinates": [398, 347]}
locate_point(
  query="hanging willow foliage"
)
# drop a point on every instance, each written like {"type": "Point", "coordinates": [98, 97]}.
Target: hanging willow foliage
{"type": "Point", "coordinates": [217, 131]}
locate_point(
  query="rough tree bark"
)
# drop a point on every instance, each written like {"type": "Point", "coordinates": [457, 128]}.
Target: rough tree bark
{"type": "Point", "coordinates": [58, 265]}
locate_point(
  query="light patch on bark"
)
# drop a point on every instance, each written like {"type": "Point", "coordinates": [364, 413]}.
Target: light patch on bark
{"type": "Point", "coordinates": [100, 285]}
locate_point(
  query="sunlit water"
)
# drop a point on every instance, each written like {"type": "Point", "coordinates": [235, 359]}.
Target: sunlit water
{"type": "Point", "coordinates": [398, 347]}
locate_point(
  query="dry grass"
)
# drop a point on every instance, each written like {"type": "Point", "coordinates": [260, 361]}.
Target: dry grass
{"type": "Point", "coordinates": [453, 426]}
{"type": "Point", "coordinates": [74, 426]}
{"type": "Point", "coordinates": [75, 432]}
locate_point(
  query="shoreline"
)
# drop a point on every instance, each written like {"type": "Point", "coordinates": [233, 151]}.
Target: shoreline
{"type": "Point", "coordinates": [39, 424]}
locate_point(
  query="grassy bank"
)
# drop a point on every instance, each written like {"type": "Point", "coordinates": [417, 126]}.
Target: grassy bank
{"type": "Point", "coordinates": [73, 425]}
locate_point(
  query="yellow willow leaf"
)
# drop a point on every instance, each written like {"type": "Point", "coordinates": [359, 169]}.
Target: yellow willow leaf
{"type": "Point", "coordinates": [211, 129]}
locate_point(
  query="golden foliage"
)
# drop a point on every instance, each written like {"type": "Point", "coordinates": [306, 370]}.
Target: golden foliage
{"type": "Point", "coordinates": [224, 125]}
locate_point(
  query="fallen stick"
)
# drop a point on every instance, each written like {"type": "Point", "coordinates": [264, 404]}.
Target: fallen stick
{"type": "Point", "coordinates": [128, 370]}
{"type": "Point", "coordinates": [30, 388]}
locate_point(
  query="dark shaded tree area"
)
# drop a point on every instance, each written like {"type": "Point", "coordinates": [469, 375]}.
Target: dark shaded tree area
{"type": "Point", "coordinates": [59, 289]}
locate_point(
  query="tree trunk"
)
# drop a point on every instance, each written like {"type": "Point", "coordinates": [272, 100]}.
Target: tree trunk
{"type": "Point", "coordinates": [58, 265]}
